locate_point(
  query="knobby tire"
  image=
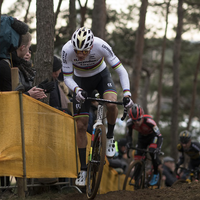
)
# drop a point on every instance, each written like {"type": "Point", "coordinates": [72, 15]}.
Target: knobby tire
{"type": "Point", "coordinates": [135, 168]}
{"type": "Point", "coordinates": [95, 169]}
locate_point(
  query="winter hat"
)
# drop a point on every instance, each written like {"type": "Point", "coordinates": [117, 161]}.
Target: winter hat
{"type": "Point", "coordinates": [122, 142]}
{"type": "Point", "coordinates": [57, 64]}
{"type": "Point", "coordinates": [168, 159]}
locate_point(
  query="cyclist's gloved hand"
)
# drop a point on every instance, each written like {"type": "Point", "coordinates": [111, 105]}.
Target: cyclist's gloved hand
{"type": "Point", "coordinates": [80, 96]}
{"type": "Point", "coordinates": [47, 86]}
{"type": "Point", "coordinates": [157, 151]}
{"type": "Point", "coordinates": [128, 103]}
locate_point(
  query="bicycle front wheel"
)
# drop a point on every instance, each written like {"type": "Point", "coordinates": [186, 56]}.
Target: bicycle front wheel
{"type": "Point", "coordinates": [96, 162]}
{"type": "Point", "coordinates": [135, 176]}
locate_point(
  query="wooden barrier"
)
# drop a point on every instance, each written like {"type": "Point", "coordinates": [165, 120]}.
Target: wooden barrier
{"type": "Point", "coordinates": [14, 77]}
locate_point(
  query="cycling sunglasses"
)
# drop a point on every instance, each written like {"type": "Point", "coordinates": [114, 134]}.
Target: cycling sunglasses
{"type": "Point", "coordinates": [84, 52]}
{"type": "Point", "coordinates": [137, 120]}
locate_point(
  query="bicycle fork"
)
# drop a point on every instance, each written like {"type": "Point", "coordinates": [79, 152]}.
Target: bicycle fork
{"type": "Point", "coordinates": [99, 122]}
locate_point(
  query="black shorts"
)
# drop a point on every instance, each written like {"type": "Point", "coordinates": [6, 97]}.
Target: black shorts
{"type": "Point", "coordinates": [102, 82]}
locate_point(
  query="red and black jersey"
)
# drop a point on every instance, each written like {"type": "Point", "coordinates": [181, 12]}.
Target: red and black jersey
{"type": "Point", "coordinates": [147, 127]}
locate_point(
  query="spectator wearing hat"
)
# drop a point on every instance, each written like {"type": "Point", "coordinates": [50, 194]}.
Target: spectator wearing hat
{"type": "Point", "coordinates": [120, 160]}
{"type": "Point", "coordinates": [168, 171]}
{"type": "Point", "coordinates": [58, 97]}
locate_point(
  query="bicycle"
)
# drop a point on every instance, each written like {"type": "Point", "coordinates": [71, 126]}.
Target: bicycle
{"type": "Point", "coordinates": [190, 175]}
{"type": "Point", "coordinates": [96, 158]}
{"type": "Point", "coordinates": [140, 172]}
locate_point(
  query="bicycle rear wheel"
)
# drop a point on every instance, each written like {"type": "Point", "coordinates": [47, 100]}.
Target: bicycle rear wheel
{"type": "Point", "coordinates": [135, 176]}
{"type": "Point", "coordinates": [96, 163]}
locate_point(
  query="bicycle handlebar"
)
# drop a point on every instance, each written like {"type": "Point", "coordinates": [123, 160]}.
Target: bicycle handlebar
{"type": "Point", "coordinates": [186, 170]}
{"type": "Point", "coordinates": [84, 93]}
{"type": "Point", "coordinates": [143, 150]}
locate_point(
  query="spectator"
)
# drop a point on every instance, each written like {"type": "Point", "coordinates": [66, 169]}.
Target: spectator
{"type": "Point", "coordinates": [168, 171]}
{"type": "Point", "coordinates": [58, 97]}
{"type": "Point", "coordinates": [10, 32]}
{"type": "Point", "coordinates": [26, 72]}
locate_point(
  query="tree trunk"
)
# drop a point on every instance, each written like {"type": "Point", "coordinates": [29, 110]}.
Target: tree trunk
{"type": "Point", "coordinates": [99, 18]}
{"type": "Point", "coordinates": [145, 91]}
{"type": "Point", "coordinates": [45, 41]}
{"type": "Point", "coordinates": [72, 16]}
{"type": "Point", "coordinates": [1, 2]}
{"type": "Point", "coordinates": [139, 46]}
{"type": "Point", "coordinates": [83, 10]}
{"type": "Point", "coordinates": [176, 87]}
{"type": "Point", "coordinates": [27, 11]}
{"type": "Point", "coordinates": [161, 67]}
{"type": "Point", "coordinates": [194, 93]}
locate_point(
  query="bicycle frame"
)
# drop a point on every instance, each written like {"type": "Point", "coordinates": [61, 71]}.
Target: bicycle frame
{"type": "Point", "coordinates": [142, 176]}
{"type": "Point", "coordinates": [193, 174]}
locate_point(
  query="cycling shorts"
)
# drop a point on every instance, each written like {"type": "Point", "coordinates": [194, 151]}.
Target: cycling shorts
{"type": "Point", "coordinates": [102, 82]}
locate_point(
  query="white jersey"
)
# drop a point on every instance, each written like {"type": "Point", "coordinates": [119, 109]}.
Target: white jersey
{"type": "Point", "coordinates": [93, 64]}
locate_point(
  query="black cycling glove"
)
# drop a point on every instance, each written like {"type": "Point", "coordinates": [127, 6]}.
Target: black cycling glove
{"type": "Point", "coordinates": [47, 86]}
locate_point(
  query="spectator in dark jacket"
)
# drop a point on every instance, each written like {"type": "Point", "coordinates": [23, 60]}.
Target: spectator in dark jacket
{"type": "Point", "coordinates": [26, 72]}
{"type": "Point", "coordinates": [168, 171]}
{"type": "Point", "coordinates": [58, 97]}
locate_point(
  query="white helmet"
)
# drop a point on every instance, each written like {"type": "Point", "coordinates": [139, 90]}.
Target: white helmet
{"type": "Point", "coordinates": [82, 39]}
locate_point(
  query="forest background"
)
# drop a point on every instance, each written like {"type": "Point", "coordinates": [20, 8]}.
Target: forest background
{"type": "Point", "coordinates": [156, 40]}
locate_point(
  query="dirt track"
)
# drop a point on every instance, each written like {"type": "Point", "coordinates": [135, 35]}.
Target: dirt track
{"type": "Point", "coordinates": [186, 192]}
{"type": "Point", "coordinates": [183, 192]}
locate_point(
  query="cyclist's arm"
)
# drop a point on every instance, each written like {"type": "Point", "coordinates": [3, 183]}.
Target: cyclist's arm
{"type": "Point", "coordinates": [124, 80]}
{"type": "Point", "coordinates": [196, 146]}
{"type": "Point", "coordinates": [67, 68]}
{"type": "Point", "coordinates": [159, 136]}
{"type": "Point", "coordinates": [115, 63]}
{"type": "Point", "coordinates": [151, 123]}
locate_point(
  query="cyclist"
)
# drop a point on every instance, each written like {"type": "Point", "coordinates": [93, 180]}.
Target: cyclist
{"type": "Point", "coordinates": [84, 69]}
{"type": "Point", "coordinates": [148, 135]}
{"type": "Point", "coordinates": [192, 149]}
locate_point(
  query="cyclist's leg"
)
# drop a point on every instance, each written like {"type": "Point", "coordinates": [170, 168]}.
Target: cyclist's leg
{"type": "Point", "coordinates": [155, 159]}
{"type": "Point", "coordinates": [142, 143]}
{"type": "Point", "coordinates": [82, 124]}
{"type": "Point", "coordinates": [81, 139]}
{"type": "Point", "coordinates": [107, 90]}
